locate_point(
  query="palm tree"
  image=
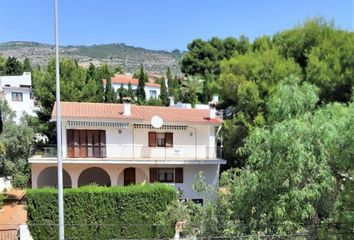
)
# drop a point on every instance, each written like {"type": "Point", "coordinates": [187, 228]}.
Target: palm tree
{"type": "Point", "coordinates": [192, 86]}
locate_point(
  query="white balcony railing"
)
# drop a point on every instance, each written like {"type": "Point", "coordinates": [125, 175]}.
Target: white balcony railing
{"type": "Point", "coordinates": [140, 152]}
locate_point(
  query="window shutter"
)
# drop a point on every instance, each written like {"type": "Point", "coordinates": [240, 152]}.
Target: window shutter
{"type": "Point", "coordinates": [153, 175]}
{"type": "Point", "coordinates": [152, 139]}
{"type": "Point", "coordinates": [169, 139]}
{"type": "Point", "coordinates": [179, 175]}
{"type": "Point", "coordinates": [83, 143]}
{"type": "Point", "coordinates": [76, 143]}
{"type": "Point", "coordinates": [103, 143]}
{"type": "Point", "coordinates": [70, 143]}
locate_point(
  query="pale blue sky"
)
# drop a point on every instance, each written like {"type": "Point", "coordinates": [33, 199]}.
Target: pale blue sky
{"type": "Point", "coordinates": [160, 24]}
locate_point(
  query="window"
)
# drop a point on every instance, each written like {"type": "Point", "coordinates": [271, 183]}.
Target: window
{"type": "Point", "coordinates": [168, 175]}
{"type": "Point", "coordinates": [86, 143]}
{"type": "Point", "coordinates": [153, 94]}
{"type": "Point", "coordinates": [165, 174]}
{"type": "Point", "coordinates": [31, 95]}
{"type": "Point", "coordinates": [160, 139]}
{"type": "Point", "coordinates": [17, 97]}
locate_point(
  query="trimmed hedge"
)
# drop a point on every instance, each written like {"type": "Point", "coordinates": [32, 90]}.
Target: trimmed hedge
{"type": "Point", "coordinates": [93, 212]}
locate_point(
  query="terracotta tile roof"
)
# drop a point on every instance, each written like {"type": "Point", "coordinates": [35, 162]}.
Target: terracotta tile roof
{"type": "Point", "coordinates": [119, 79]}
{"type": "Point", "coordinates": [113, 111]}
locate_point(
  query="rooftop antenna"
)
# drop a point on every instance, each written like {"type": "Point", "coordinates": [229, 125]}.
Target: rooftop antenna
{"type": "Point", "coordinates": [58, 120]}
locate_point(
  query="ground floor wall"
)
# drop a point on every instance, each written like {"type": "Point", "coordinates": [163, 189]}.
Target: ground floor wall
{"type": "Point", "coordinates": [76, 175]}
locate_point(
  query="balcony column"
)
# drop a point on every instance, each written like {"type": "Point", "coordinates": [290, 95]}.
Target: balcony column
{"type": "Point", "coordinates": [113, 174]}
{"type": "Point", "coordinates": [74, 175]}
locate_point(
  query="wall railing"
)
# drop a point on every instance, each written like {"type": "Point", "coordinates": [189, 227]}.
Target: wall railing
{"type": "Point", "coordinates": [137, 152]}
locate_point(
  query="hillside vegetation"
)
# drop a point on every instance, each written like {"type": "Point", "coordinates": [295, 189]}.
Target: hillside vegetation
{"type": "Point", "coordinates": [112, 54]}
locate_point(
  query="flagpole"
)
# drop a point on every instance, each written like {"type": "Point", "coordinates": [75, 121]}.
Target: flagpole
{"type": "Point", "coordinates": [58, 120]}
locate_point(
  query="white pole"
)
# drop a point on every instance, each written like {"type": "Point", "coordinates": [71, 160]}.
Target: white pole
{"type": "Point", "coordinates": [60, 164]}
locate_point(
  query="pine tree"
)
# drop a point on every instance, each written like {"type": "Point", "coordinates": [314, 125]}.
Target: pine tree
{"type": "Point", "coordinates": [164, 93]}
{"type": "Point", "coordinates": [141, 86]}
{"type": "Point", "coordinates": [27, 65]}
{"type": "Point", "coordinates": [13, 67]}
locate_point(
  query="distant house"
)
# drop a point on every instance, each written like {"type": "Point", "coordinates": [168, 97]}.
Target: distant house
{"type": "Point", "coordinates": [152, 90]}
{"type": "Point", "coordinates": [17, 91]}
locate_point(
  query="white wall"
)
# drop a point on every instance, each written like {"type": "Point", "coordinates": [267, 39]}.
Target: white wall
{"type": "Point", "coordinates": [115, 171]}
{"type": "Point", "coordinates": [27, 104]}
{"type": "Point", "coordinates": [196, 142]}
{"type": "Point", "coordinates": [16, 81]}
{"type": "Point", "coordinates": [5, 183]}
{"type": "Point", "coordinates": [116, 86]}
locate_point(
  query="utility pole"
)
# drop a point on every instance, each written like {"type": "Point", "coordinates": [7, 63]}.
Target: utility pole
{"type": "Point", "coordinates": [58, 119]}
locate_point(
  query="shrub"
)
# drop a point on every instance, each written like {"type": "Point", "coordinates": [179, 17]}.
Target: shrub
{"type": "Point", "coordinates": [1, 200]}
{"type": "Point", "coordinates": [20, 180]}
{"type": "Point", "coordinates": [94, 212]}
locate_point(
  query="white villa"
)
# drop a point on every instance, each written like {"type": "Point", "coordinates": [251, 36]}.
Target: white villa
{"type": "Point", "coordinates": [122, 144]}
{"type": "Point", "coordinates": [152, 90]}
{"type": "Point", "coordinates": [17, 91]}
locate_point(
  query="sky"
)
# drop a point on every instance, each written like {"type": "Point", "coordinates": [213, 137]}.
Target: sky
{"type": "Point", "coordinates": [161, 24]}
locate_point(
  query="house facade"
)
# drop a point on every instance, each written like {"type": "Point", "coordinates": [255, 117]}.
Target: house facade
{"type": "Point", "coordinates": [17, 91]}
{"type": "Point", "coordinates": [152, 90]}
{"type": "Point", "coordinates": [123, 144]}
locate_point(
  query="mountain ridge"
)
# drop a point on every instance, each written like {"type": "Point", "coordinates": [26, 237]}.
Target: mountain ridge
{"type": "Point", "coordinates": [130, 57]}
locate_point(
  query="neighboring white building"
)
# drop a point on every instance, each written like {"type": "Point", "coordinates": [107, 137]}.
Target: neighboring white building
{"type": "Point", "coordinates": [152, 90]}
{"type": "Point", "coordinates": [17, 91]}
{"type": "Point", "coordinates": [119, 144]}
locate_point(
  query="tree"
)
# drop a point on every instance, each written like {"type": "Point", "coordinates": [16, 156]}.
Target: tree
{"type": "Point", "coordinates": [330, 67]}
{"type": "Point", "coordinates": [109, 95]}
{"type": "Point", "coordinates": [164, 93]}
{"type": "Point", "coordinates": [191, 87]}
{"type": "Point", "coordinates": [141, 85]}
{"type": "Point", "coordinates": [73, 81]}
{"type": "Point", "coordinates": [27, 65]}
{"type": "Point", "coordinates": [120, 92]}
{"type": "Point", "coordinates": [15, 143]}
{"type": "Point", "coordinates": [2, 65]}
{"type": "Point", "coordinates": [246, 80]}
{"type": "Point", "coordinates": [118, 69]}
{"type": "Point", "coordinates": [13, 67]}
{"type": "Point", "coordinates": [130, 92]}
{"type": "Point", "coordinates": [296, 43]}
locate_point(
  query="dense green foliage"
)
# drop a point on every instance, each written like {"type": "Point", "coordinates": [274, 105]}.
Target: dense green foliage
{"type": "Point", "coordinates": [15, 143]}
{"type": "Point", "coordinates": [101, 213]}
{"type": "Point", "coordinates": [288, 137]}
{"type": "Point", "coordinates": [12, 67]}
{"type": "Point", "coordinates": [1, 200]}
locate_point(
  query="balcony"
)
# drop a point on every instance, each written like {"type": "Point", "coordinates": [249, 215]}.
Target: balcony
{"type": "Point", "coordinates": [139, 154]}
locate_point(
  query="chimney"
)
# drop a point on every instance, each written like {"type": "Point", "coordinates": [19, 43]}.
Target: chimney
{"type": "Point", "coordinates": [212, 110]}
{"type": "Point", "coordinates": [212, 107]}
{"type": "Point", "coordinates": [126, 106]}
{"type": "Point", "coordinates": [172, 102]}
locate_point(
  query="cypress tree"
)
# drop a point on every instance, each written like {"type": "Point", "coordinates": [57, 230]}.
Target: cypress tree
{"type": "Point", "coordinates": [27, 65]}
{"type": "Point", "coordinates": [164, 93]}
{"type": "Point", "coordinates": [130, 92]}
{"type": "Point", "coordinates": [120, 93]}
{"type": "Point", "coordinates": [141, 86]}
{"type": "Point", "coordinates": [109, 95]}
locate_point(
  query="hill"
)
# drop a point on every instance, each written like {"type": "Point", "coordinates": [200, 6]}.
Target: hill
{"type": "Point", "coordinates": [113, 54]}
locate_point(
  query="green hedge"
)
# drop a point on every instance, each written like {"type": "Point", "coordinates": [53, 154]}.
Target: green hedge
{"type": "Point", "coordinates": [93, 212]}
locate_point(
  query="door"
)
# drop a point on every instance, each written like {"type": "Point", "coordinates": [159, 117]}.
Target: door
{"type": "Point", "coordinates": [129, 176]}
